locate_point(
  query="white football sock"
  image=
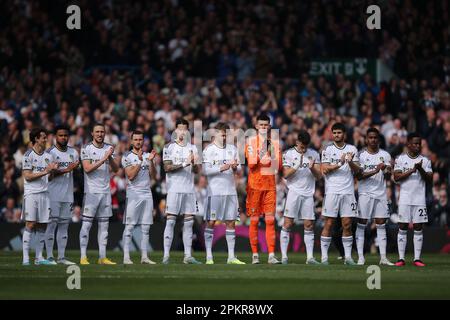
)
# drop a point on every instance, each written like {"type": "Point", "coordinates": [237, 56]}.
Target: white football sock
{"type": "Point", "coordinates": [102, 236]}
{"type": "Point", "coordinates": [382, 239]}
{"type": "Point", "coordinates": [284, 242]}
{"type": "Point", "coordinates": [324, 246]}
{"type": "Point", "coordinates": [50, 237]}
{"type": "Point", "coordinates": [187, 236]}
{"type": "Point", "coordinates": [402, 239]}
{"type": "Point", "coordinates": [418, 241]}
{"type": "Point", "coordinates": [231, 240]}
{"type": "Point", "coordinates": [126, 239]}
{"type": "Point", "coordinates": [359, 237]}
{"type": "Point", "coordinates": [84, 235]}
{"type": "Point", "coordinates": [40, 233]}
{"type": "Point", "coordinates": [168, 234]}
{"type": "Point", "coordinates": [26, 239]}
{"type": "Point", "coordinates": [61, 237]}
{"type": "Point", "coordinates": [347, 242]}
{"type": "Point", "coordinates": [145, 230]}
{"type": "Point", "coordinates": [209, 235]}
{"type": "Point", "coordinates": [309, 243]}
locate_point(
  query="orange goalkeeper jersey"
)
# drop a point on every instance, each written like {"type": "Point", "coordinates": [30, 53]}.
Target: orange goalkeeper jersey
{"type": "Point", "coordinates": [262, 177]}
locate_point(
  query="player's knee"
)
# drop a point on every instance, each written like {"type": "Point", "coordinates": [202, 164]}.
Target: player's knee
{"type": "Point", "coordinates": [288, 223]}
{"type": "Point", "coordinates": [269, 220]}
{"type": "Point", "coordinates": [418, 227]}
{"type": "Point", "coordinates": [254, 220]}
{"type": "Point", "coordinates": [308, 225]}
{"type": "Point", "coordinates": [210, 224]}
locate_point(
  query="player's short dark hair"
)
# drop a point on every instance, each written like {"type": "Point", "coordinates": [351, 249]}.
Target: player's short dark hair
{"type": "Point", "coordinates": [137, 132]}
{"type": "Point", "coordinates": [304, 137]}
{"type": "Point", "coordinates": [62, 127]}
{"type": "Point", "coordinates": [338, 126]}
{"type": "Point", "coordinates": [182, 122]}
{"type": "Point", "coordinates": [373, 130]}
{"type": "Point", "coordinates": [412, 135]}
{"type": "Point", "coordinates": [263, 117]}
{"type": "Point", "coordinates": [35, 133]}
{"type": "Point", "coordinates": [222, 126]}
{"type": "Point", "coordinates": [97, 124]}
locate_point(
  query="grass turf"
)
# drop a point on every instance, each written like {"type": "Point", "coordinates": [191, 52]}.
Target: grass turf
{"type": "Point", "coordinates": [223, 282]}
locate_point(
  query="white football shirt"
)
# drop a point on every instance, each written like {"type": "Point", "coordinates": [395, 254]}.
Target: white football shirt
{"type": "Point", "coordinates": [302, 181]}
{"type": "Point", "coordinates": [341, 180]}
{"type": "Point", "coordinates": [374, 186]}
{"type": "Point", "coordinates": [140, 185]}
{"type": "Point", "coordinates": [98, 180]}
{"type": "Point", "coordinates": [61, 187]}
{"type": "Point", "coordinates": [412, 189]}
{"type": "Point", "coordinates": [219, 183]}
{"type": "Point", "coordinates": [36, 163]}
{"type": "Point", "coordinates": [181, 180]}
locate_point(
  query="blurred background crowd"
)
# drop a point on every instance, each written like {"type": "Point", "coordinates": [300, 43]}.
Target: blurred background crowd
{"type": "Point", "coordinates": [144, 64]}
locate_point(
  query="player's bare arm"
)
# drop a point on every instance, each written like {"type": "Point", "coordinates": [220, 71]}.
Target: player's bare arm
{"type": "Point", "coordinates": [30, 176]}
{"type": "Point", "coordinates": [427, 176]}
{"type": "Point", "coordinates": [315, 169]}
{"type": "Point", "coordinates": [60, 172]}
{"type": "Point", "coordinates": [89, 166]}
{"type": "Point", "coordinates": [152, 170]}
{"type": "Point", "coordinates": [364, 175]}
{"type": "Point", "coordinates": [354, 166]}
{"type": "Point", "coordinates": [327, 168]}
{"type": "Point", "coordinates": [400, 176]}
{"type": "Point", "coordinates": [170, 167]}
{"type": "Point", "coordinates": [113, 163]}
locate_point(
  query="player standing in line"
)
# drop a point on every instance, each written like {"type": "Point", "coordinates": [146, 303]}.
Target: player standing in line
{"type": "Point", "coordinates": [261, 152]}
{"type": "Point", "coordinates": [339, 164]}
{"type": "Point", "coordinates": [301, 169]}
{"type": "Point", "coordinates": [97, 157]}
{"type": "Point", "coordinates": [37, 165]}
{"type": "Point", "coordinates": [179, 159]}
{"type": "Point", "coordinates": [412, 171]}
{"type": "Point", "coordinates": [372, 200]}
{"type": "Point", "coordinates": [61, 193]}
{"type": "Point", "coordinates": [220, 161]}
{"type": "Point", "coordinates": [139, 167]}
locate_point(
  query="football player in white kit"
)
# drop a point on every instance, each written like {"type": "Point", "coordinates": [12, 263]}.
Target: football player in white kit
{"type": "Point", "coordinates": [339, 164]}
{"type": "Point", "coordinates": [97, 157]}
{"type": "Point", "coordinates": [372, 200]}
{"type": "Point", "coordinates": [412, 171]}
{"type": "Point", "coordinates": [61, 193]}
{"type": "Point", "coordinates": [37, 165]}
{"type": "Point", "coordinates": [220, 161]}
{"type": "Point", "coordinates": [180, 159]}
{"type": "Point", "coordinates": [301, 169]}
{"type": "Point", "coordinates": [139, 168]}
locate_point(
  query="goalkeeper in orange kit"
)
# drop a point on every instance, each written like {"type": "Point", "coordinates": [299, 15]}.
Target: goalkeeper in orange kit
{"type": "Point", "coordinates": [264, 160]}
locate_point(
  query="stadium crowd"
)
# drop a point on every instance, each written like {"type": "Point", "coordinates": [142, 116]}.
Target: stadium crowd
{"type": "Point", "coordinates": [142, 65]}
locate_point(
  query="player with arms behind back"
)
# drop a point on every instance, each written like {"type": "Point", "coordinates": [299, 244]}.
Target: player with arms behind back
{"type": "Point", "coordinates": [261, 153]}
{"type": "Point", "coordinates": [339, 164]}
{"type": "Point", "coordinates": [220, 161]}
{"type": "Point", "coordinates": [139, 167]}
{"type": "Point", "coordinates": [179, 159]}
{"type": "Point", "coordinates": [61, 193]}
{"type": "Point", "coordinates": [97, 157]}
{"type": "Point", "coordinates": [301, 169]}
{"type": "Point", "coordinates": [412, 171]}
{"type": "Point", "coordinates": [372, 200]}
{"type": "Point", "coordinates": [37, 165]}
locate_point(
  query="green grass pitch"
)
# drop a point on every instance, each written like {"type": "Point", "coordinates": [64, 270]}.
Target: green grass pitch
{"type": "Point", "coordinates": [223, 282]}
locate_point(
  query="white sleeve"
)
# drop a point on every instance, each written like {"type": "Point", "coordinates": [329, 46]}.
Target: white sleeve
{"type": "Point", "coordinates": [27, 162]}
{"type": "Point", "coordinates": [287, 161]}
{"type": "Point", "coordinates": [325, 156]}
{"type": "Point", "coordinates": [209, 168]}
{"type": "Point", "coordinates": [125, 161]}
{"type": "Point", "coordinates": [397, 166]}
{"type": "Point", "coordinates": [85, 154]}
{"type": "Point", "coordinates": [317, 157]}
{"type": "Point", "coordinates": [76, 156]}
{"type": "Point", "coordinates": [427, 165]}
{"type": "Point", "coordinates": [387, 159]}
{"type": "Point", "coordinates": [167, 156]}
{"type": "Point", "coordinates": [356, 154]}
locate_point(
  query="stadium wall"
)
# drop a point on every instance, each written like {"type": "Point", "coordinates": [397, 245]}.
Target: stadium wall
{"type": "Point", "coordinates": [436, 239]}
